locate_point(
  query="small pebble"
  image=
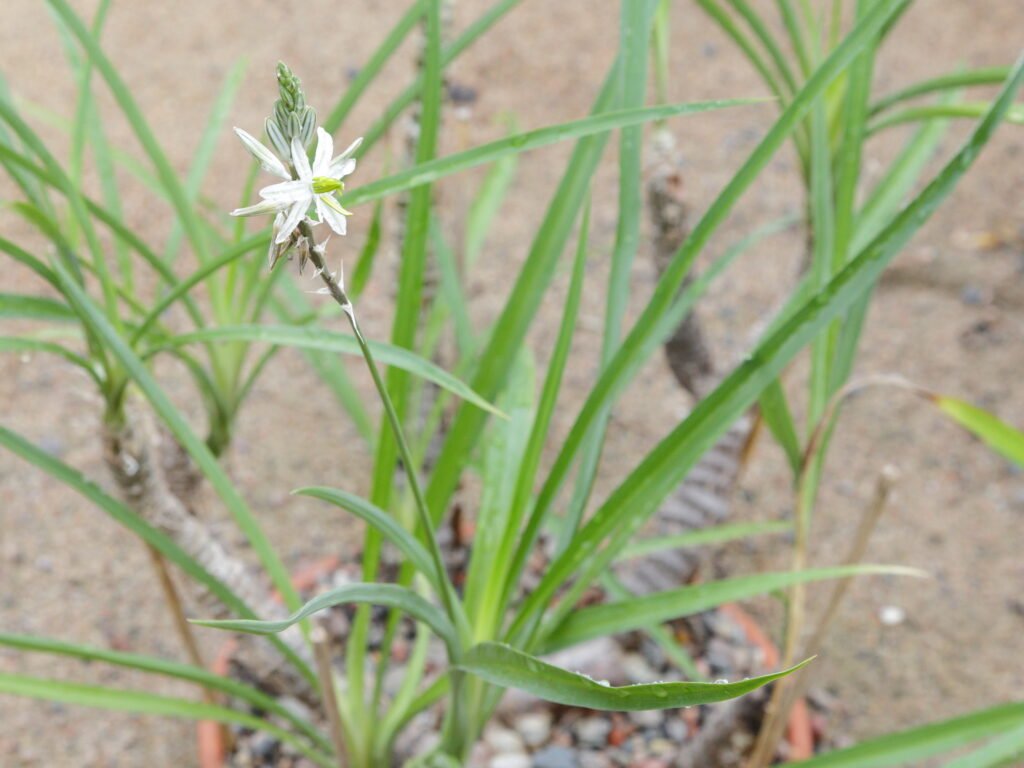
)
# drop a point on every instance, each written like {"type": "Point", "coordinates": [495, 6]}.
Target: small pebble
{"type": "Point", "coordinates": [263, 746]}
{"type": "Point", "coordinates": [593, 731]}
{"type": "Point", "coordinates": [661, 747]}
{"type": "Point", "coordinates": [637, 669]}
{"type": "Point", "coordinates": [972, 295]}
{"type": "Point", "coordinates": [534, 727]}
{"type": "Point", "coordinates": [676, 729]}
{"type": "Point", "coordinates": [651, 718]}
{"type": "Point", "coordinates": [595, 760]}
{"type": "Point", "coordinates": [556, 757]}
{"type": "Point", "coordinates": [510, 760]}
{"type": "Point", "coordinates": [503, 740]}
{"type": "Point", "coordinates": [891, 615]}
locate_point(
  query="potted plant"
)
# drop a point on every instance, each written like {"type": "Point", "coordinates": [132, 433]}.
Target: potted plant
{"type": "Point", "coordinates": [443, 617]}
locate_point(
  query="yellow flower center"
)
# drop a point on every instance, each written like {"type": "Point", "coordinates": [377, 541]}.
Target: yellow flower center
{"type": "Point", "coordinates": [324, 184]}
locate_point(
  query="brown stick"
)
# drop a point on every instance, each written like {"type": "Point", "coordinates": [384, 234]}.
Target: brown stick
{"type": "Point", "coordinates": [322, 655]}
{"type": "Point", "coordinates": [789, 689]}
{"type": "Point", "coordinates": [184, 629]}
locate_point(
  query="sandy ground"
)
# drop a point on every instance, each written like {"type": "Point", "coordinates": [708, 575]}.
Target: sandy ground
{"type": "Point", "coordinates": [952, 320]}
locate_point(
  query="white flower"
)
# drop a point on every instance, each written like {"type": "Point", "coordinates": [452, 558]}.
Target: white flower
{"type": "Point", "coordinates": [314, 186]}
{"type": "Point", "coordinates": [270, 162]}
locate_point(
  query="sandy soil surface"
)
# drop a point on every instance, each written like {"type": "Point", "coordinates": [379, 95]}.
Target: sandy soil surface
{"type": "Point", "coordinates": [950, 318]}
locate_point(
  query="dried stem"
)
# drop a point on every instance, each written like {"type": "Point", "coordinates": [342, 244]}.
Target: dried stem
{"type": "Point", "coordinates": [322, 653]}
{"type": "Point", "coordinates": [787, 690]}
{"type": "Point", "coordinates": [181, 625]}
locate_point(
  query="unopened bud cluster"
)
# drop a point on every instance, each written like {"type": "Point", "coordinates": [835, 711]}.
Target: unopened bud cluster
{"type": "Point", "coordinates": [292, 117]}
{"type": "Point", "coordinates": [308, 193]}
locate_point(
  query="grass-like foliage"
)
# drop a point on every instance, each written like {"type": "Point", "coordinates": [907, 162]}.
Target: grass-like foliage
{"type": "Point", "coordinates": [225, 316]}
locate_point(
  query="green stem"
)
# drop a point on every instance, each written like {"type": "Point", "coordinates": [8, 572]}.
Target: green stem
{"type": "Point", "coordinates": [338, 294]}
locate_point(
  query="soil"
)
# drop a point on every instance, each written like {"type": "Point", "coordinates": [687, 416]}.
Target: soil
{"type": "Point", "coordinates": [949, 317]}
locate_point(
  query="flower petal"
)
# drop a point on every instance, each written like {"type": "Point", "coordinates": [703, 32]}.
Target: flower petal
{"type": "Point", "coordinates": [348, 152]}
{"type": "Point", "coordinates": [264, 206]}
{"type": "Point", "coordinates": [291, 221]}
{"type": "Point", "coordinates": [324, 150]}
{"type": "Point", "coordinates": [341, 168]}
{"type": "Point", "coordinates": [268, 160]}
{"type": "Point", "coordinates": [287, 192]}
{"type": "Point", "coordinates": [300, 161]}
{"type": "Point", "coordinates": [332, 215]}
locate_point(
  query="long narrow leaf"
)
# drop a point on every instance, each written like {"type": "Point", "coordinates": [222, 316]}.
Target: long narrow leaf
{"type": "Point", "coordinates": [649, 610]}
{"type": "Point", "coordinates": [913, 746]}
{"type": "Point", "coordinates": [716, 534]}
{"type": "Point", "coordinates": [317, 338]}
{"type": "Point", "coordinates": [171, 669]}
{"type": "Point", "coordinates": [430, 171]}
{"type": "Point", "coordinates": [147, 703]}
{"type": "Point", "coordinates": [631, 353]}
{"type": "Point", "coordinates": [997, 434]}
{"type": "Point", "coordinates": [505, 666]}
{"type": "Point", "coordinates": [628, 506]}
{"type": "Point", "coordinates": [386, 525]}
{"type": "Point", "coordinates": [28, 345]}
{"type": "Point", "coordinates": [390, 595]}
{"type": "Point", "coordinates": [951, 82]}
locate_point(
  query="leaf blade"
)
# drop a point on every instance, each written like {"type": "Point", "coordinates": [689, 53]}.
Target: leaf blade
{"type": "Point", "coordinates": [504, 666]}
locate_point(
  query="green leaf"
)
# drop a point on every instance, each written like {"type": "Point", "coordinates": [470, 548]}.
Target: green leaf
{"type": "Point", "coordinates": [183, 287]}
{"type": "Point", "coordinates": [111, 220]}
{"type": "Point", "coordinates": [471, 34]}
{"type": "Point", "coordinates": [171, 669]}
{"type": "Point", "coordinates": [972, 111]}
{"type": "Point", "coordinates": [634, 24]}
{"type": "Point", "coordinates": [149, 704]}
{"type": "Point", "coordinates": [641, 612]}
{"type": "Point", "coordinates": [122, 94]}
{"type": "Point", "coordinates": [390, 595]}
{"type": "Point", "coordinates": [386, 525]}
{"type": "Point", "coordinates": [204, 151]}
{"type": "Point", "coordinates": [21, 344]}
{"type": "Point", "coordinates": [505, 666]}
{"type": "Point", "coordinates": [369, 71]}
{"type": "Point", "coordinates": [34, 308]}
{"type": "Point", "coordinates": [998, 435]}
{"type": "Point", "coordinates": [913, 746]}
{"type": "Point", "coordinates": [486, 204]}
{"type": "Point", "coordinates": [453, 299]}
{"type": "Point", "coordinates": [497, 521]}
{"type": "Point", "coordinates": [636, 346]}
{"type": "Point", "coordinates": [998, 753]}
{"type": "Point", "coordinates": [429, 171]}
{"type": "Point", "coordinates": [779, 418]}
{"type": "Point", "coordinates": [951, 82]}
{"type": "Point", "coordinates": [342, 343]}
{"type": "Point", "coordinates": [25, 258]}
{"type": "Point", "coordinates": [521, 306]}
{"type": "Point", "coordinates": [638, 496]}
{"type": "Point", "coordinates": [539, 431]}
{"type": "Point", "coordinates": [716, 534]}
